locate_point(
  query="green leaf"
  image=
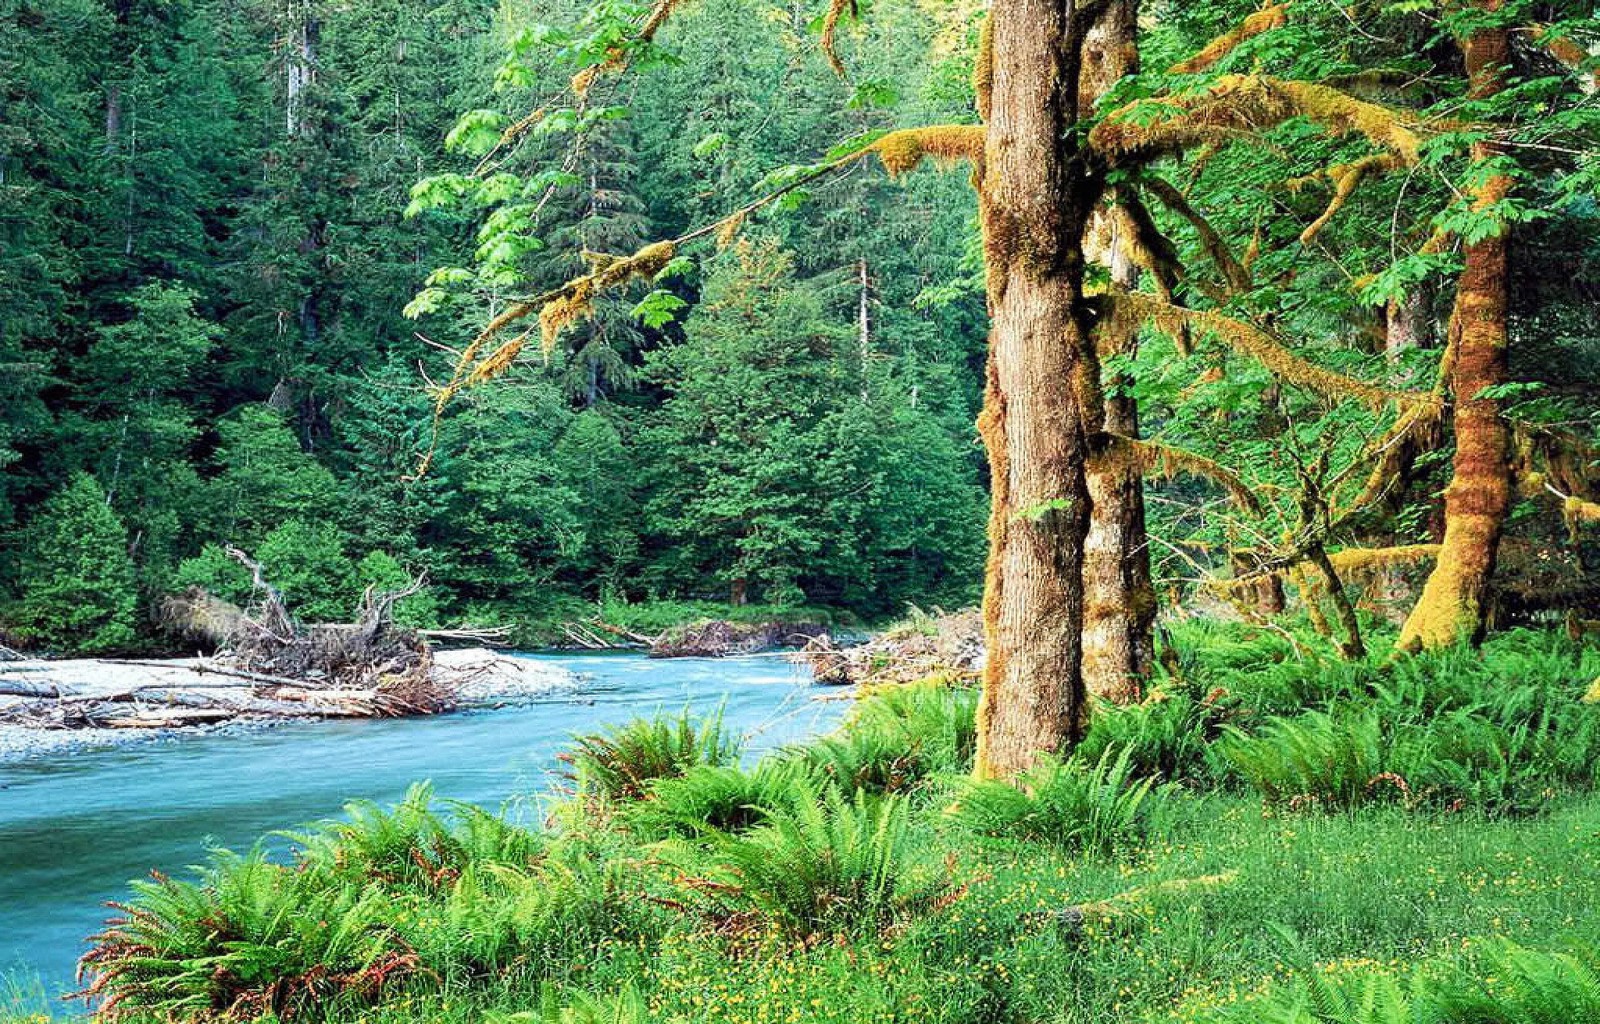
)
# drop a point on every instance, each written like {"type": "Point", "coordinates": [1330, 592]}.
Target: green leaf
{"type": "Point", "coordinates": [659, 308]}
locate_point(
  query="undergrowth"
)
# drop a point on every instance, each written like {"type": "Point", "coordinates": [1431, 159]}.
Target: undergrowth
{"type": "Point", "coordinates": [1273, 835]}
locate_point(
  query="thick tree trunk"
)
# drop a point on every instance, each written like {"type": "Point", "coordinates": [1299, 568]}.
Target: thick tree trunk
{"type": "Point", "coordinates": [1119, 598]}
{"type": "Point", "coordinates": [1042, 402]}
{"type": "Point", "coordinates": [1452, 606]}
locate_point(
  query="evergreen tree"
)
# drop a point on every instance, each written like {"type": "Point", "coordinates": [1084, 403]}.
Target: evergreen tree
{"type": "Point", "coordinates": [77, 581]}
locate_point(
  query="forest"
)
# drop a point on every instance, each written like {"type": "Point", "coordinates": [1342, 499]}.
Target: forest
{"type": "Point", "coordinates": [243, 257]}
{"type": "Point", "coordinates": [206, 248]}
{"type": "Point", "coordinates": [1208, 390]}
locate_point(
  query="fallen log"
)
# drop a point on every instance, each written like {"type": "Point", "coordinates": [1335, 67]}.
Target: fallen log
{"type": "Point", "coordinates": [167, 718]}
{"type": "Point", "coordinates": [17, 688]}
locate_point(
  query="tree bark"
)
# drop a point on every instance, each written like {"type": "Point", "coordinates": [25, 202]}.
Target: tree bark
{"type": "Point", "coordinates": [1453, 603]}
{"type": "Point", "coordinates": [1042, 401]}
{"type": "Point", "coordinates": [1119, 598]}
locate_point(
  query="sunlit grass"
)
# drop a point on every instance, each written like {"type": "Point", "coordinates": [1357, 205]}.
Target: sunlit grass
{"type": "Point", "coordinates": [861, 879]}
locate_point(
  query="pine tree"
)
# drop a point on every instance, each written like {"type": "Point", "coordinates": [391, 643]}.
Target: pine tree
{"type": "Point", "coordinates": [77, 581]}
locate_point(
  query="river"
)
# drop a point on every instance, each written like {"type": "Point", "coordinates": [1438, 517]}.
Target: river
{"type": "Point", "coordinates": [74, 828]}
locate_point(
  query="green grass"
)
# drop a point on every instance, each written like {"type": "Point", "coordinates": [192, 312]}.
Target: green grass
{"type": "Point", "coordinates": [1232, 851]}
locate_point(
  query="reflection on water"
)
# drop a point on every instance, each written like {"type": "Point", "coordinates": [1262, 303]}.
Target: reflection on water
{"type": "Point", "coordinates": [75, 827]}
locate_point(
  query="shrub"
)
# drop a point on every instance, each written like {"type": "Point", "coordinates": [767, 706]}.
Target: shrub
{"type": "Point", "coordinates": [1074, 805]}
{"type": "Point", "coordinates": [249, 938]}
{"type": "Point", "coordinates": [1420, 745]}
{"type": "Point", "coordinates": [1330, 758]}
{"type": "Point", "coordinates": [831, 864]}
{"type": "Point", "coordinates": [1507, 985]}
{"type": "Point", "coordinates": [715, 798]}
{"type": "Point", "coordinates": [1165, 736]}
{"type": "Point", "coordinates": [624, 1007]}
{"type": "Point", "coordinates": [538, 921]}
{"type": "Point", "coordinates": [411, 847]}
{"type": "Point", "coordinates": [900, 736]}
{"type": "Point", "coordinates": [620, 763]}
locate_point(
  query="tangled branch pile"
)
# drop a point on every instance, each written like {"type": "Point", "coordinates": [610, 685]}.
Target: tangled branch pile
{"type": "Point", "coordinates": [944, 645]}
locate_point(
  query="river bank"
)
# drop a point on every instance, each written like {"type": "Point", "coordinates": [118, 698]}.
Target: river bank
{"type": "Point", "coordinates": [152, 696]}
{"type": "Point", "coordinates": [79, 824]}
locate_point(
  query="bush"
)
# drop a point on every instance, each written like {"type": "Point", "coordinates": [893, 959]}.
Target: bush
{"type": "Point", "coordinates": [624, 1007]}
{"type": "Point", "coordinates": [250, 938]}
{"type": "Point", "coordinates": [411, 847]}
{"type": "Point", "coordinates": [1167, 736]}
{"type": "Point", "coordinates": [1333, 759]}
{"type": "Point", "coordinates": [827, 865]}
{"type": "Point", "coordinates": [899, 737]}
{"type": "Point", "coordinates": [716, 798]}
{"type": "Point", "coordinates": [543, 921]}
{"type": "Point", "coordinates": [1507, 985]}
{"type": "Point", "coordinates": [620, 763]}
{"type": "Point", "coordinates": [1095, 808]}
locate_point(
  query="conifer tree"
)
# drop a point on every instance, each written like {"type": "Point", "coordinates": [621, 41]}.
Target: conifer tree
{"type": "Point", "coordinates": [77, 582]}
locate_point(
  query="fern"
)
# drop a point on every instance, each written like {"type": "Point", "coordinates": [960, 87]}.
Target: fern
{"type": "Point", "coordinates": [716, 799]}
{"type": "Point", "coordinates": [826, 865]}
{"type": "Point", "coordinates": [1079, 806]}
{"type": "Point", "coordinates": [620, 764]}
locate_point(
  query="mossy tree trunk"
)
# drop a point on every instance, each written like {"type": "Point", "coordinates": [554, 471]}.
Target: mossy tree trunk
{"type": "Point", "coordinates": [1452, 606]}
{"type": "Point", "coordinates": [1119, 598]}
{"type": "Point", "coordinates": [1042, 402]}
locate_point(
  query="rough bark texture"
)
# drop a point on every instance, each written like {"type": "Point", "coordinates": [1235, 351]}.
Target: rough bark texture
{"type": "Point", "coordinates": [1408, 323]}
{"type": "Point", "coordinates": [1454, 599]}
{"type": "Point", "coordinates": [1035, 199]}
{"type": "Point", "coordinates": [1119, 598]}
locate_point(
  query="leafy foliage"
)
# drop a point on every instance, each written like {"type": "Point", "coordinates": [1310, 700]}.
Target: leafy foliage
{"type": "Point", "coordinates": [1096, 807]}
{"type": "Point", "coordinates": [621, 763]}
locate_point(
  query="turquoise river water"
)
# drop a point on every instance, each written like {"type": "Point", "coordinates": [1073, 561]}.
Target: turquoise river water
{"type": "Point", "coordinates": [74, 828]}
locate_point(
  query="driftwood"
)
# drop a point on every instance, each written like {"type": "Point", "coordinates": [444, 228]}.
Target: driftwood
{"type": "Point", "coordinates": [949, 646]}
{"type": "Point", "coordinates": [267, 665]}
{"type": "Point", "coordinates": [717, 638]}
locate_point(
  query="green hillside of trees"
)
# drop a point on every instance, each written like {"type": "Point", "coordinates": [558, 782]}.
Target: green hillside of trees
{"type": "Point", "coordinates": [205, 256]}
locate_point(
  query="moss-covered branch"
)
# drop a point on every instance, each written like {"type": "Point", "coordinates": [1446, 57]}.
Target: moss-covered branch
{"type": "Point", "coordinates": [1216, 249]}
{"type": "Point", "coordinates": [1345, 178]}
{"type": "Point", "coordinates": [1245, 106]}
{"type": "Point", "coordinates": [1264, 20]}
{"type": "Point", "coordinates": [1165, 461]}
{"type": "Point", "coordinates": [1261, 346]}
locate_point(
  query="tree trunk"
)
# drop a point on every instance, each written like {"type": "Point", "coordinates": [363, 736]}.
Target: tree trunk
{"type": "Point", "coordinates": [300, 65]}
{"type": "Point", "coordinates": [1408, 322]}
{"type": "Point", "coordinates": [1452, 606]}
{"type": "Point", "coordinates": [1119, 598]}
{"type": "Point", "coordinates": [1041, 402]}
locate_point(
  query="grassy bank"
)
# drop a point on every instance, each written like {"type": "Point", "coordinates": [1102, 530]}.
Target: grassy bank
{"type": "Point", "coordinates": [1273, 836]}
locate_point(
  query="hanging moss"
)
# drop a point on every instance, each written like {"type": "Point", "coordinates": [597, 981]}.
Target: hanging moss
{"type": "Point", "coordinates": [1151, 251]}
{"type": "Point", "coordinates": [616, 58]}
{"type": "Point", "coordinates": [1417, 428]}
{"type": "Point", "coordinates": [1345, 179]}
{"type": "Point", "coordinates": [1260, 346]}
{"type": "Point", "coordinates": [902, 151]}
{"type": "Point", "coordinates": [983, 68]}
{"type": "Point", "coordinates": [1356, 561]}
{"type": "Point", "coordinates": [1246, 105]}
{"type": "Point", "coordinates": [1262, 21]}
{"type": "Point", "coordinates": [1167, 462]}
{"type": "Point", "coordinates": [1232, 270]}
{"type": "Point", "coordinates": [830, 27]}
{"type": "Point", "coordinates": [576, 300]}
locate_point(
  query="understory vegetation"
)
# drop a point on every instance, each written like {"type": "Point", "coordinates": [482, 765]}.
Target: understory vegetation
{"type": "Point", "coordinates": [1274, 834]}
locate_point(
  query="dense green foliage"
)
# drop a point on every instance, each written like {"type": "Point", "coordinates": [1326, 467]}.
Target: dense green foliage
{"type": "Point", "coordinates": [782, 892]}
{"type": "Point", "coordinates": [205, 256]}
